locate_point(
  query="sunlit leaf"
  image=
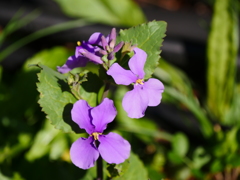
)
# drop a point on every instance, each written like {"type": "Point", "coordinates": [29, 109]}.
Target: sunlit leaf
{"type": "Point", "coordinates": [135, 170]}
{"type": "Point", "coordinates": [149, 37]}
{"type": "Point", "coordinates": [56, 99]}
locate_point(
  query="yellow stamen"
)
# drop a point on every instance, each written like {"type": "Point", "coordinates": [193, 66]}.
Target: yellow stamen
{"type": "Point", "coordinates": [95, 135]}
{"type": "Point", "coordinates": [79, 43]}
{"type": "Point", "coordinates": [139, 81]}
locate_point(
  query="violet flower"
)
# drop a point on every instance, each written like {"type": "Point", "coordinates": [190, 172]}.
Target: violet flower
{"type": "Point", "coordinates": [109, 45]}
{"type": "Point", "coordinates": [144, 93]}
{"type": "Point", "coordinates": [92, 50]}
{"type": "Point", "coordinates": [112, 147]}
{"type": "Point", "coordinates": [85, 51]}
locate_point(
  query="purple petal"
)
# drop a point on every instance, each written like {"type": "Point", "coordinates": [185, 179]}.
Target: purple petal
{"type": "Point", "coordinates": [113, 35]}
{"type": "Point", "coordinates": [83, 153]}
{"type": "Point", "coordinates": [137, 62]}
{"type": "Point", "coordinates": [113, 148]}
{"type": "Point", "coordinates": [112, 38]}
{"type": "Point", "coordinates": [118, 47]}
{"type": "Point", "coordinates": [92, 57]}
{"type": "Point", "coordinates": [81, 115]}
{"type": "Point", "coordinates": [154, 89]}
{"type": "Point", "coordinates": [111, 56]}
{"type": "Point", "coordinates": [84, 46]}
{"type": "Point", "coordinates": [104, 43]}
{"type": "Point", "coordinates": [135, 102]}
{"type": "Point", "coordinates": [72, 63]}
{"type": "Point", "coordinates": [120, 75]}
{"type": "Point", "coordinates": [95, 38]}
{"type": "Point", "coordinates": [103, 114]}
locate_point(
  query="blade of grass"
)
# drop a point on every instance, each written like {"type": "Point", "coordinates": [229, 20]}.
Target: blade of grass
{"type": "Point", "coordinates": [16, 22]}
{"type": "Point", "coordinates": [41, 33]}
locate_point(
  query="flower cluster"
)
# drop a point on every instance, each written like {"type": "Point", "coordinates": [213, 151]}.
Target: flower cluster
{"type": "Point", "coordinates": [92, 50]}
{"type": "Point", "coordinates": [112, 147]}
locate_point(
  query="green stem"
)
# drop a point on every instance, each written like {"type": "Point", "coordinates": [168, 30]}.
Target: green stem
{"type": "Point", "coordinates": [106, 90]}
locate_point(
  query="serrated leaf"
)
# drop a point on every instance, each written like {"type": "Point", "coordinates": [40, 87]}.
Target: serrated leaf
{"type": "Point", "coordinates": [136, 169]}
{"type": "Point", "coordinates": [117, 170]}
{"type": "Point", "coordinates": [117, 12]}
{"type": "Point", "coordinates": [55, 99]}
{"type": "Point", "coordinates": [22, 90]}
{"type": "Point", "coordinates": [149, 37]}
{"type": "Point", "coordinates": [89, 89]}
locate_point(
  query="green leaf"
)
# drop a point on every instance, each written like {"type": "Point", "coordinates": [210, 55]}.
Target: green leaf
{"type": "Point", "coordinates": [178, 90]}
{"type": "Point", "coordinates": [222, 56]}
{"type": "Point", "coordinates": [40, 146]}
{"type": "Point", "coordinates": [118, 12]}
{"type": "Point", "coordinates": [174, 77]}
{"type": "Point", "coordinates": [23, 86]}
{"type": "Point", "coordinates": [180, 144]}
{"type": "Point", "coordinates": [217, 166]}
{"type": "Point", "coordinates": [16, 176]}
{"type": "Point", "coordinates": [117, 170]}
{"type": "Point", "coordinates": [89, 89]}
{"type": "Point", "coordinates": [51, 57]}
{"type": "Point", "coordinates": [193, 106]}
{"type": "Point", "coordinates": [175, 158]}
{"type": "Point", "coordinates": [200, 158]}
{"type": "Point", "coordinates": [55, 99]}
{"type": "Point", "coordinates": [149, 37]}
{"type": "Point", "coordinates": [135, 170]}
{"type": "Point", "coordinates": [233, 114]}
{"type": "Point", "coordinates": [234, 160]}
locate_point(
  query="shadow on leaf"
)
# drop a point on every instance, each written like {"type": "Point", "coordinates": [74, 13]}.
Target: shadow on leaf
{"type": "Point", "coordinates": [68, 119]}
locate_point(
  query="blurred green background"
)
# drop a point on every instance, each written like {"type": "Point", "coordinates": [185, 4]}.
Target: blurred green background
{"type": "Point", "coordinates": [193, 134]}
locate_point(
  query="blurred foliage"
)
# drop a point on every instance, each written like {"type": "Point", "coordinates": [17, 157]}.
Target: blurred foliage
{"type": "Point", "coordinates": [222, 53]}
{"type": "Point", "coordinates": [115, 13]}
{"type": "Point", "coordinates": [31, 148]}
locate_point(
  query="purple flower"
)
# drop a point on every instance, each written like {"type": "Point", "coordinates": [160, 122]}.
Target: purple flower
{"type": "Point", "coordinates": [109, 45]}
{"type": "Point", "coordinates": [144, 93]}
{"type": "Point", "coordinates": [86, 51]}
{"type": "Point", "coordinates": [92, 50]}
{"type": "Point", "coordinates": [112, 147]}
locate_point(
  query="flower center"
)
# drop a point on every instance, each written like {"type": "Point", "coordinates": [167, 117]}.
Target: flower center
{"type": "Point", "coordinates": [79, 43]}
{"type": "Point", "coordinates": [95, 135]}
{"type": "Point", "coordinates": [139, 81]}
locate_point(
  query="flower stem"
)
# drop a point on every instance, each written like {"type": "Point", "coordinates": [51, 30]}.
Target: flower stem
{"type": "Point", "coordinates": [99, 165]}
{"type": "Point", "coordinates": [100, 161]}
{"type": "Point", "coordinates": [106, 90]}
{"type": "Point", "coordinates": [100, 168]}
